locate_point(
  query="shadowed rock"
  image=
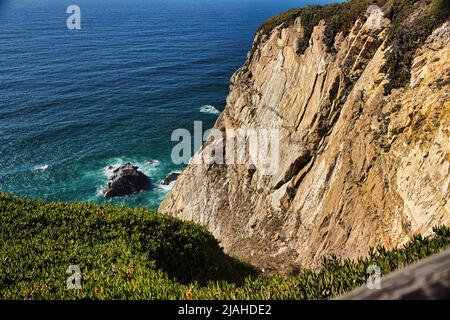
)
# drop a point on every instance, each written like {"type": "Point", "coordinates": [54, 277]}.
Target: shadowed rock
{"type": "Point", "coordinates": [126, 179]}
{"type": "Point", "coordinates": [171, 177]}
{"type": "Point", "coordinates": [346, 176]}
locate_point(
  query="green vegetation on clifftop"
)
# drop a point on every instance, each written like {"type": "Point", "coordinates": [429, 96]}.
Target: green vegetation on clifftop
{"type": "Point", "coordinates": [122, 252]}
{"type": "Point", "coordinates": [136, 254]}
{"type": "Point", "coordinates": [337, 16]}
{"type": "Point", "coordinates": [412, 22]}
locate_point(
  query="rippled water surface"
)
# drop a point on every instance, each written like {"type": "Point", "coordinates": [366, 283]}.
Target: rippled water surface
{"type": "Point", "coordinates": [74, 103]}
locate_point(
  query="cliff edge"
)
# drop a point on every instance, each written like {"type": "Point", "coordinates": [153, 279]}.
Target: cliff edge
{"type": "Point", "coordinates": [364, 128]}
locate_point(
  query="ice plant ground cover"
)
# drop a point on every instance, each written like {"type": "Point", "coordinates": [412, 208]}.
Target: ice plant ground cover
{"type": "Point", "coordinates": [125, 253]}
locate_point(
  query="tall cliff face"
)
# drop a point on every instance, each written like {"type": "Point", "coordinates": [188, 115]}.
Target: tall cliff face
{"type": "Point", "coordinates": [358, 168]}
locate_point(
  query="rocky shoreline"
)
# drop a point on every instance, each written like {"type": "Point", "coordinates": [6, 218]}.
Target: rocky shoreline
{"type": "Point", "coordinates": [126, 180]}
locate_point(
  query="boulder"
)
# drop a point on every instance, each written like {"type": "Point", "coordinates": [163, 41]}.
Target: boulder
{"type": "Point", "coordinates": [171, 177]}
{"type": "Point", "coordinates": [126, 179]}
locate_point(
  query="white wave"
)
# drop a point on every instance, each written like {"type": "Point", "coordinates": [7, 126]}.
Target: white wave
{"type": "Point", "coordinates": [167, 187]}
{"type": "Point", "coordinates": [99, 192]}
{"type": "Point", "coordinates": [152, 163]}
{"type": "Point", "coordinates": [209, 109]}
{"type": "Point", "coordinates": [113, 165]}
{"type": "Point", "coordinates": [148, 167]}
{"type": "Point", "coordinates": [41, 167]}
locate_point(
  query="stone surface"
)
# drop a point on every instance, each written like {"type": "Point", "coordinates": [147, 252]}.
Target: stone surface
{"type": "Point", "coordinates": [126, 179]}
{"type": "Point", "coordinates": [171, 177]}
{"type": "Point", "coordinates": [357, 168]}
{"type": "Point", "coordinates": [427, 279]}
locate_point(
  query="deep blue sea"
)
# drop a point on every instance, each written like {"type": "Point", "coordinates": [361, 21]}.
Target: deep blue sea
{"type": "Point", "coordinates": [74, 102]}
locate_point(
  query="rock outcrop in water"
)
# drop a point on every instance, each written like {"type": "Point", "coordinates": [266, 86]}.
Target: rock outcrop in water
{"type": "Point", "coordinates": [126, 179]}
{"type": "Point", "coordinates": [359, 167]}
{"type": "Point", "coordinates": [171, 177]}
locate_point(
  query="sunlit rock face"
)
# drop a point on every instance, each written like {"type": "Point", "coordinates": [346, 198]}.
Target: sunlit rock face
{"type": "Point", "coordinates": [357, 167]}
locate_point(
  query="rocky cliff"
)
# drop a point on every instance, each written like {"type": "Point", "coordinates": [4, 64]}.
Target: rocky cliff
{"type": "Point", "coordinates": [359, 165]}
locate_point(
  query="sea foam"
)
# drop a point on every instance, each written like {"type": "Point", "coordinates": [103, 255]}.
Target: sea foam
{"type": "Point", "coordinates": [167, 187]}
{"type": "Point", "coordinates": [209, 109]}
{"type": "Point", "coordinates": [41, 167]}
{"type": "Point", "coordinates": [148, 167]}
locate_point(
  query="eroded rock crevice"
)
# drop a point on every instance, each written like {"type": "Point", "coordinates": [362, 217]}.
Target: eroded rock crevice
{"type": "Point", "coordinates": [358, 167]}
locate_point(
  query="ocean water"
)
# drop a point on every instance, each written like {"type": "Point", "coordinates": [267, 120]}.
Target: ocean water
{"type": "Point", "coordinates": [75, 102]}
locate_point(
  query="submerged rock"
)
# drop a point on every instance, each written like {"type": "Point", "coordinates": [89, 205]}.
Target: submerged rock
{"type": "Point", "coordinates": [126, 179]}
{"type": "Point", "coordinates": [171, 177]}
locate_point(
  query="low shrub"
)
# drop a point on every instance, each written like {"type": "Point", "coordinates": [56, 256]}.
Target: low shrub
{"type": "Point", "coordinates": [135, 254]}
{"type": "Point", "coordinates": [337, 16]}
{"type": "Point", "coordinates": [117, 249]}
{"type": "Point", "coordinates": [412, 23]}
